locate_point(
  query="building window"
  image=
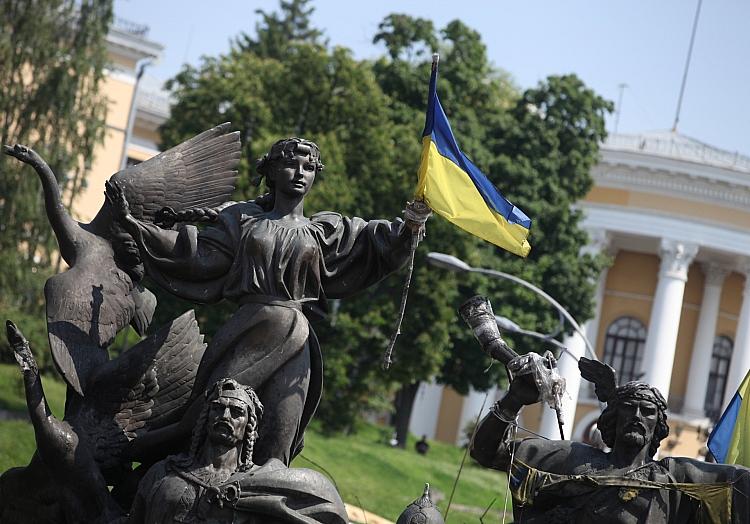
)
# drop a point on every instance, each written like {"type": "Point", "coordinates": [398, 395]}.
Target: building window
{"type": "Point", "coordinates": [717, 376]}
{"type": "Point", "coordinates": [623, 348]}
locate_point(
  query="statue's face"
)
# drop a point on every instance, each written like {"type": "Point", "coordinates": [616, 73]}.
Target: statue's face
{"type": "Point", "coordinates": [294, 176]}
{"type": "Point", "coordinates": [227, 418]}
{"type": "Point", "coordinates": [636, 422]}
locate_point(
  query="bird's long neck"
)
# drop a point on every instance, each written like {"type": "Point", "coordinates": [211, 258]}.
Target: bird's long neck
{"type": "Point", "coordinates": [35, 400]}
{"type": "Point", "coordinates": [63, 225]}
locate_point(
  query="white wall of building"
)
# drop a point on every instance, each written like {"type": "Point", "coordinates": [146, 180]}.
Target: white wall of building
{"type": "Point", "coordinates": [424, 414]}
{"type": "Point", "coordinates": [472, 405]}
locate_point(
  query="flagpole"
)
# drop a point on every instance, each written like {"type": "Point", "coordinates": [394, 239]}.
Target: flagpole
{"type": "Point", "coordinates": [687, 66]}
{"type": "Point", "coordinates": [417, 234]}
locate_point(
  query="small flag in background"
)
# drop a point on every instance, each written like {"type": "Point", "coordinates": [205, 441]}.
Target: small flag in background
{"type": "Point", "coordinates": [456, 189]}
{"type": "Point", "coordinates": [729, 442]}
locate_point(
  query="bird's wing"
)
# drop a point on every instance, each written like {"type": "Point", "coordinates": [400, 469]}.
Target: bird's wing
{"type": "Point", "coordinates": [200, 172]}
{"type": "Point", "coordinates": [146, 387]}
{"type": "Point", "coordinates": [85, 309]}
{"type": "Point", "coordinates": [603, 376]}
{"type": "Point", "coordinates": [145, 304]}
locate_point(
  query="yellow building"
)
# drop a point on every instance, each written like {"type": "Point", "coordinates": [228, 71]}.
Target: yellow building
{"type": "Point", "coordinates": [674, 215]}
{"type": "Point", "coordinates": [146, 107]}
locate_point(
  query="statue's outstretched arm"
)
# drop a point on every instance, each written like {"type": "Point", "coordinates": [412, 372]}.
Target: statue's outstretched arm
{"type": "Point", "coordinates": [180, 253]}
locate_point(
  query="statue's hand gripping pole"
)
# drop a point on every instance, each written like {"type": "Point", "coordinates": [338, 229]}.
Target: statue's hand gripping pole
{"type": "Point", "coordinates": [416, 215]}
{"type": "Point", "coordinates": [478, 314]}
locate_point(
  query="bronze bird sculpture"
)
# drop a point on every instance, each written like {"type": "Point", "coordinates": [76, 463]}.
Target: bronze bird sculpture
{"type": "Point", "coordinates": [142, 389]}
{"type": "Point", "coordinates": [99, 294]}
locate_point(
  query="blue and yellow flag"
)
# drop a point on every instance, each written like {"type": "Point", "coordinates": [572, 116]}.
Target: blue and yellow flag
{"type": "Point", "coordinates": [729, 442]}
{"type": "Point", "coordinates": [456, 189]}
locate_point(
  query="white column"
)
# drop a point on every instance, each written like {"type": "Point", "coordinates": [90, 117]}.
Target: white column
{"type": "Point", "coordinates": [426, 409]}
{"type": "Point", "coordinates": [665, 313]}
{"type": "Point", "coordinates": [700, 362]}
{"type": "Point", "coordinates": [592, 326]}
{"type": "Point", "coordinates": [567, 364]}
{"type": "Point", "coordinates": [601, 242]}
{"type": "Point", "coordinates": [741, 351]}
{"type": "Point", "coordinates": [470, 411]}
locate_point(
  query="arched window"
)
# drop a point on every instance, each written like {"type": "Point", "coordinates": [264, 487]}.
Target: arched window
{"type": "Point", "coordinates": [623, 347]}
{"type": "Point", "coordinates": [717, 376]}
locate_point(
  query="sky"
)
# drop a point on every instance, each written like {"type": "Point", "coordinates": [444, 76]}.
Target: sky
{"type": "Point", "coordinates": [640, 43]}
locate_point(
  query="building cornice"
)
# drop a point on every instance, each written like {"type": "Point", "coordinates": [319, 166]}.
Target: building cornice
{"type": "Point", "coordinates": [131, 46]}
{"type": "Point", "coordinates": [650, 223]}
{"type": "Point", "coordinates": [152, 108]}
{"type": "Point", "coordinates": [722, 189]}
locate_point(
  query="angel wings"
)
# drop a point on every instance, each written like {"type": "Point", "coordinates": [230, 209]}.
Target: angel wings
{"type": "Point", "coordinates": [99, 294]}
{"type": "Point", "coordinates": [200, 172]}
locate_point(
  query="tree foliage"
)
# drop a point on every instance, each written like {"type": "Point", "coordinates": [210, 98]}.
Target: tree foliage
{"type": "Point", "coordinates": [400, 33]}
{"type": "Point", "coordinates": [52, 57]}
{"type": "Point", "coordinates": [542, 151]}
{"type": "Point", "coordinates": [275, 32]}
{"type": "Point", "coordinates": [537, 146]}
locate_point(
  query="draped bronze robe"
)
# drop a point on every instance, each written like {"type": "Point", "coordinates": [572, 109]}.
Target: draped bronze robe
{"type": "Point", "coordinates": [268, 494]}
{"type": "Point", "coordinates": [281, 276]}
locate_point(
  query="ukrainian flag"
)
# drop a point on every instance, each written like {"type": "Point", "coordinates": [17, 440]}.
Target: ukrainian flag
{"type": "Point", "coordinates": [729, 442]}
{"type": "Point", "coordinates": [456, 189]}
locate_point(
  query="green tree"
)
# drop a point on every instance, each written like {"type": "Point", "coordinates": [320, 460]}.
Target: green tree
{"type": "Point", "coordinates": [402, 33]}
{"type": "Point", "coordinates": [275, 32]}
{"type": "Point", "coordinates": [52, 57]}
{"type": "Point", "coordinates": [538, 148]}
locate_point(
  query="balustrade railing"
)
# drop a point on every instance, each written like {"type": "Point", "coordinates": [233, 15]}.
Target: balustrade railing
{"type": "Point", "coordinates": [678, 147]}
